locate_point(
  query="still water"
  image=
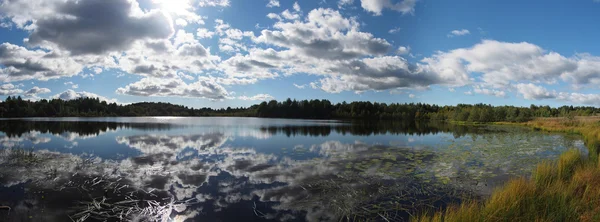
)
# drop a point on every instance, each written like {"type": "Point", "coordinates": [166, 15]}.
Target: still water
{"type": "Point", "coordinates": [251, 169]}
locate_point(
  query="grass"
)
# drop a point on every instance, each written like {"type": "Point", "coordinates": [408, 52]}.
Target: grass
{"type": "Point", "coordinates": [567, 189]}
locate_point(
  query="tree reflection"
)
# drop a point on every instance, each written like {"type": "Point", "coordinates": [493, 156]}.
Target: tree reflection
{"type": "Point", "coordinates": [368, 128]}
{"type": "Point", "coordinates": [16, 128]}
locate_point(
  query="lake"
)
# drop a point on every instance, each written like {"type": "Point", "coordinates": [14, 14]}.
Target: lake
{"type": "Point", "coordinates": [252, 169]}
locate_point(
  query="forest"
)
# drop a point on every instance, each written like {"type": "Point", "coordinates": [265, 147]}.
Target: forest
{"type": "Point", "coordinates": [304, 109]}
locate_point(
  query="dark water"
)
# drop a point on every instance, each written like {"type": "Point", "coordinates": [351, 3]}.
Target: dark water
{"type": "Point", "coordinates": [249, 169]}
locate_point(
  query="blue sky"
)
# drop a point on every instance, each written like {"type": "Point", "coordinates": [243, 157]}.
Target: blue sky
{"type": "Point", "coordinates": [220, 53]}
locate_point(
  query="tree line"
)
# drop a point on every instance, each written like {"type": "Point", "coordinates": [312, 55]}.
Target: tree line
{"type": "Point", "coordinates": [307, 109]}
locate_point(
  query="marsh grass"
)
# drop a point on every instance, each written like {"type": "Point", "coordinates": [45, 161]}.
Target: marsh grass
{"type": "Point", "coordinates": [565, 190]}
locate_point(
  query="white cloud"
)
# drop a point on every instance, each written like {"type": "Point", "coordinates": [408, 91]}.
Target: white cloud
{"type": "Point", "coordinates": [97, 70]}
{"type": "Point", "coordinates": [326, 34]}
{"type": "Point", "coordinates": [296, 7]}
{"type": "Point", "coordinates": [206, 3]}
{"type": "Point", "coordinates": [580, 98]}
{"type": "Point", "coordinates": [394, 30]}
{"type": "Point", "coordinates": [73, 85]}
{"type": "Point", "coordinates": [181, 22]}
{"type": "Point", "coordinates": [274, 16]}
{"type": "Point", "coordinates": [204, 88]}
{"type": "Point", "coordinates": [329, 45]}
{"type": "Point", "coordinates": [69, 94]}
{"type": "Point", "coordinates": [533, 92]}
{"type": "Point", "coordinates": [342, 3]}
{"type": "Point", "coordinates": [117, 24]}
{"type": "Point", "coordinates": [127, 38]}
{"type": "Point", "coordinates": [258, 97]}
{"type": "Point", "coordinates": [458, 33]}
{"type": "Point", "coordinates": [230, 38]}
{"type": "Point", "coordinates": [412, 96]}
{"type": "Point", "coordinates": [165, 59]}
{"type": "Point", "coordinates": [273, 3]}
{"type": "Point", "coordinates": [9, 89]}
{"type": "Point", "coordinates": [501, 63]}
{"type": "Point", "coordinates": [377, 6]}
{"type": "Point", "coordinates": [289, 15]}
{"type": "Point", "coordinates": [299, 86]}
{"type": "Point", "coordinates": [403, 50]}
{"type": "Point", "coordinates": [490, 92]}
{"type": "Point", "coordinates": [37, 90]}
{"type": "Point", "coordinates": [203, 33]}
{"type": "Point", "coordinates": [20, 64]}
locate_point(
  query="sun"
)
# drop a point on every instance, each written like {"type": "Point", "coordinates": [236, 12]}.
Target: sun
{"type": "Point", "coordinates": [174, 6]}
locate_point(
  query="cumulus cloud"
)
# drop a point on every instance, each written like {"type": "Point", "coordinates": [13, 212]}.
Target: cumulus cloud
{"type": "Point", "coordinates": [377, 6]}
{"type": "Point", "coordinates": [586, 71]}
{"type": "Point", "coordinates": [96, 35]}
{"type": "Point", "coordinates": [296, 7]}
{"type": "Point", "coordinates": [9, 89]}
{"type": "Point", "coordinates": [343, 3]}
{"type": "Point", "coordinates": [273, 3]}
{"type": "Point", "coordinates": [490, 92]}
{"type": "Point", "coordinates": [580, 98]}
{"type": "Point", "coordinates": [19, 63]}
{"type": "Point", "coordinates": [332, 46]}
{"type": "Point", "coordinates": [258, 97]}
{"type": "Point", "coordinates": [458, 33]}
{"type": "Point", "coordinates": [326, 34]}
{"type": "Point", "coordinates": [534, 92]}
{"type": "Point", "coordinates": [175, 87]}
{"type": "Point", "coordinates": [69, 94]}
{"type": "Point", "coordinates": [386, 72]}
{"type": "Point", "coordinates": [403, 50]}
{"type": "Point", "coordinates": [97, 26]}
{"type": "Point", "coordinates": [502, 63]}
{"type": "Point", "coordinates": [37, 90]}
{"type": "Point", "coordinates": [165, 59]}
{"type": "Point", "coordinates": [230, 38]}
{"type": "Point", "coordinates": [204, 33]}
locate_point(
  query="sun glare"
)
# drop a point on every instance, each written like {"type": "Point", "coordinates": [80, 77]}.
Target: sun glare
{"type": "Point", "coordinates": [174, 6]}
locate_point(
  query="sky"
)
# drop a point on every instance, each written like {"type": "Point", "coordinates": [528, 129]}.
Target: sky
{"type": "Point", "coordinates": [220, 53]}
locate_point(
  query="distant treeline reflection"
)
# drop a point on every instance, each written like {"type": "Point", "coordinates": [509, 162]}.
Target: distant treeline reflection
{"type": "Point", "coordinates": [16, 128]}
{"type": "Point", "coordinates": [368, 128]}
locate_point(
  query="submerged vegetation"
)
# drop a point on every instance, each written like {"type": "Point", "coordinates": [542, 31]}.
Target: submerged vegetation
{"type": "Point", "coordinates": [306, 109]}
{"type": "Point", "coordinates": [565, 190]}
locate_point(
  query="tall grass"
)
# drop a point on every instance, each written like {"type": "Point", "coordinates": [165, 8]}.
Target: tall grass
{"type": "Point", "coordinates": [564, 190]}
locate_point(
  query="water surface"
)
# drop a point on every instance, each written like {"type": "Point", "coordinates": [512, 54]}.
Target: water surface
{"type": "Point", "coordinates": [251, 169]}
